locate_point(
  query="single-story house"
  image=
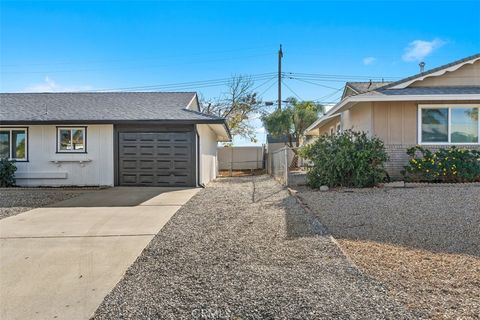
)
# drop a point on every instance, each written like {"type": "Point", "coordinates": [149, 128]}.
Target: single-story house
{"type": "Point", "coordinates": [436, 108]}
{"type": "Point", "coordinates": [107, 139]}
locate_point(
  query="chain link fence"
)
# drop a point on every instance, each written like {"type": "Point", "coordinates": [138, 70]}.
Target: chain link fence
{"type": "Point", "coordinates": [279, 166]}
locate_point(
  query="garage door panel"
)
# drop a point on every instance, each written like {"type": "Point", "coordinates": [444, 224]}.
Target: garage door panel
{"type": "Point", "coordinates": [156, 158]}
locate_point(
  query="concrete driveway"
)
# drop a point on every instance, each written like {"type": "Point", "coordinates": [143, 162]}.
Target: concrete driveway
{"type": "Point", "coordinates": [60, 261]}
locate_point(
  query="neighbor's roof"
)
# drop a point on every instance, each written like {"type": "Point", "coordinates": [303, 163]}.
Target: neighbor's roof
{"type": "Point", "coordinates": [277, 139]}
{"type": "Point", "coordinates": [100, 107]}
{"type": "Point", "coordinates": [362, 87]}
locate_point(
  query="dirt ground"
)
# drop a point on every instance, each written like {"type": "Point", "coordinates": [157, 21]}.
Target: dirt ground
{"type": "Point", "coordinates": [422, 243]}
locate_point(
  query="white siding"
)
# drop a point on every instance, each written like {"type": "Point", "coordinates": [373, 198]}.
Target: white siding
{"type": "Point", "coordinates": [208, 154]}
{"type": "Point", "coordinates": [41, 171]}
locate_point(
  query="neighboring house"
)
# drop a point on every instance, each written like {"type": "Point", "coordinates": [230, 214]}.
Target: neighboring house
{"type": "Point", "coordinates": [122, 138]}
{"type": "Point", "coordinates": [276, 143]}
{"type": "Point", "coordinates": [436, 108]}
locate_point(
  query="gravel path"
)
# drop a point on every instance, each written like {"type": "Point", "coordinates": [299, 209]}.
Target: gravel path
{"type": "Point", "coordinates": [423, 243]}
{"type": "Point", "coordinates": [244, 249]}
{"type": "Point", "coordinates": [14, 201]}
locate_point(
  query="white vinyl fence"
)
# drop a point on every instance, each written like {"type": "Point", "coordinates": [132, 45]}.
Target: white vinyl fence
{"type": "Point", "coordinates": [241, 158]}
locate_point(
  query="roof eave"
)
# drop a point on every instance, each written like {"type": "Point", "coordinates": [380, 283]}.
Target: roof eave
{"type": "Point", "coordinates": [107, 121]}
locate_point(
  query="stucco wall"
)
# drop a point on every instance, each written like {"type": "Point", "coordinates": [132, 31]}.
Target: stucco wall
{"type": "Point", "coordinates": [325, 129]}
{"type": "Point", "coordinates": [467, 75]}
{"type": "Point", "coordinates": [41, 171]}
{"type": "Point", "coordinates": [358, 118]}
{"type": "Point", "coordinates": [208, 153]}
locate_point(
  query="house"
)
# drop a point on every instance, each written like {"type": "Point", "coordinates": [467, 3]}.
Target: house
{"type": "Point", "coordinates": [435, 108]}
{"type": "Point", "coordinates": [116, 138]}
{"type": "Point", "coordinates": [275, 143]}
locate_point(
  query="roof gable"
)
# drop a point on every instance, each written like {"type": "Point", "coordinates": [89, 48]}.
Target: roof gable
{"type": "Point", "coordinates": [436, 72]}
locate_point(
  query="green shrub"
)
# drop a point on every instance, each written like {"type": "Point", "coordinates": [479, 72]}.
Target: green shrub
{"type": "Point", "coordinates": [7, 173]}
{"type": "Point", "coordinates": [348, 159]}
{"type": "Point", "coordinates": [444, 165]}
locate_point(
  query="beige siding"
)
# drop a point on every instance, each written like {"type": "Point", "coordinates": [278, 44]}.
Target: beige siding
{"type": "Point", "coordinates": [467, 75]}
{"type": "Point", "coordinates": [395, 122]}
{"type": "Point", "coordinates": [358, 118]}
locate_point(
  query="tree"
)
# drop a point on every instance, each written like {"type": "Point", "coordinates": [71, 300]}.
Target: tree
{"type": "Point", "coordinates": [237, 106]}
{"type": "Point", "coordinates": [293, 120]}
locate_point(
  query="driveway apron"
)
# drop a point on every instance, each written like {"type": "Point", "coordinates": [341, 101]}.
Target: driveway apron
{"type": "Point", "coordinates": [59, 262]}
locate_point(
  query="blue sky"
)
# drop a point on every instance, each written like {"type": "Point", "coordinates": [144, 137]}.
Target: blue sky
{"type": "Point", "coordinates": [74, 46]}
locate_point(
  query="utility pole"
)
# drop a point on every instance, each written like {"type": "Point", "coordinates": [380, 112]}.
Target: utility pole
{"type": "Point", "coordinates": [280, 56]}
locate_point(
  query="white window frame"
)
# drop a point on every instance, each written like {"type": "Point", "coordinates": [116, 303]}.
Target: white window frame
{"type": "Point", "coordinates": [339, 127]}
{"type": "Point", "coordinates": [10, 142]}
{"type": "Point", "coordinates": [449, 107]}
{"type": "Point", "coordinates": [71, 139]}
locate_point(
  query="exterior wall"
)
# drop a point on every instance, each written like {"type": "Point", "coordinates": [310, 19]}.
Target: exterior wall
{"type": "Point", "coordinates": [240, 158]}
{"type": "Point", "coordinates": [399, 158]}
{"type": "Point", "coordinates": [358, 118]}
{"type": "Point", "coordinates": [467, 75]}
{"type": "Point", "coordinates": [396, 124]}
{"type": "Point", "coordinates": [40, 170]}
{"type": "Point", "coordinates": [207, 154]}
{"type": "Point", "coordinates": [325, 129]}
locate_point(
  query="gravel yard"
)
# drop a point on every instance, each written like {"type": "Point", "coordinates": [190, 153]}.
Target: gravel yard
{"type": "Point", "coordinates": [14, 201]}
{"type": "Point", "coordinates": [244, 249]}
{"type": "Point", "coordinates": [423, 243]}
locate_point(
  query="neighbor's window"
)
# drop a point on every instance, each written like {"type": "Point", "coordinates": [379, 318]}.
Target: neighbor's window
{"type": "Point", "coordinates": [13, 144]}
{"type": "Point", "coordinates": [449, 124]}
{"type": "Point", "coordinates": [71, 139]}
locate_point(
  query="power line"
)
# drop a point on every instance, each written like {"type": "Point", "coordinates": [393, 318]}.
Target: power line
{"type": "Point", "coordinates": [316, 84]}
{"type": "Point", "coordinates": [269, 87]}
{"type": "Point", "coordinates": [143, 59]}
{"type": "Point", "coordinates": [286, 85]}
{"type": "Point", "coordinates": [191, 84]}
{"type": "Point", "coordinates": [135, 67]}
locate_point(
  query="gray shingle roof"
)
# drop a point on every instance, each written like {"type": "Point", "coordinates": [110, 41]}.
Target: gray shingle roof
{"type": "Point", "coordinates": [279, 139]}
{"type": "Point", "coordinates": [428, 91]}
{"type": "Point", "coordinates": [98, 107]}
{"type": "Point", "coordinates": [362, 87]}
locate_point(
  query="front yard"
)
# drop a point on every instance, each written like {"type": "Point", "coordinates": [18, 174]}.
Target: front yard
{"type": "Point", "coordinates": [423, 243]}
{"type": "Point", "coordinates": [244, 249]}
{"type": "Point", "coordinates": [17, 200]}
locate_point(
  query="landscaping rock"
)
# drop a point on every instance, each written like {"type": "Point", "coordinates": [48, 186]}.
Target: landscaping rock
{"type": "Point", "coordinates": [243, 248]}
{"type": "Point", "coordinates": [324, 188]}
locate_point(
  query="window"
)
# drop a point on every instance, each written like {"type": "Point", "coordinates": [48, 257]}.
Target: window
{"type": "Point", "coordinates": [449, 124]}
{"type": "Point", "coordinates": [332, 131]}
{"type": "Point", "coordinates": [72, 140]}
{"type": "Point", "coordinates": [13, 144]}
{"type": "Point", "coordinates": [339, 128]}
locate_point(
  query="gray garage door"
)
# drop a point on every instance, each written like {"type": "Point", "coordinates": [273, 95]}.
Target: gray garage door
{"type": "Point", "coordinates": [156, 158]}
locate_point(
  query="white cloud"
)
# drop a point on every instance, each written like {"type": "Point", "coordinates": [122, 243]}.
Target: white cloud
{"type": "Point", "coordinates": [368, 60]}
{"type": "Point", "coordinates": [49, 85]}
{"type": "Point", "coordinates": [417, 50]}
